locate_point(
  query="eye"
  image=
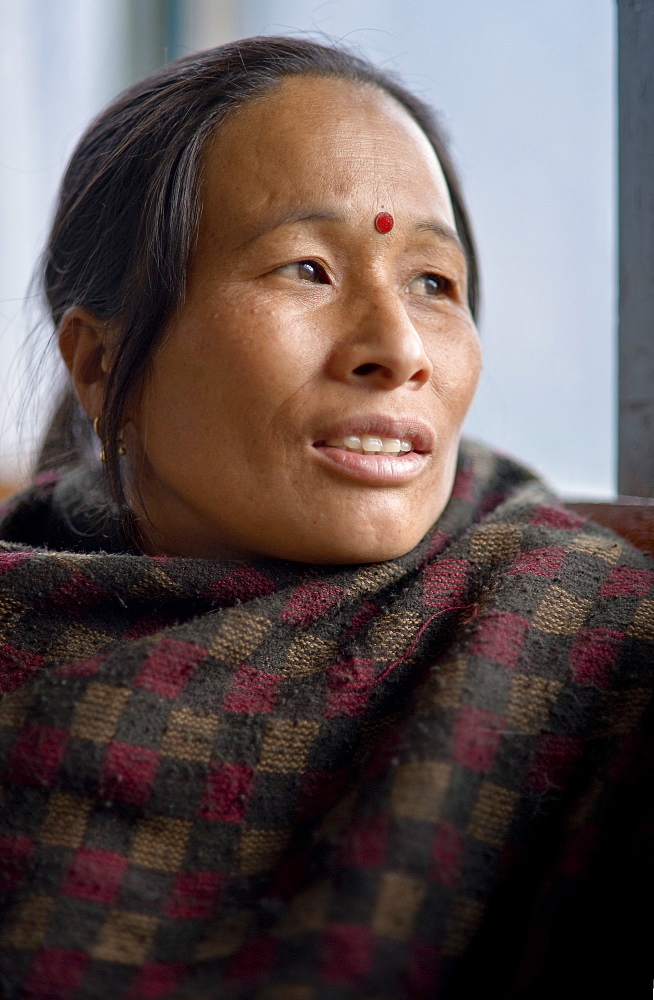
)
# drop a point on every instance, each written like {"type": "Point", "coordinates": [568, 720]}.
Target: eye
{"type": "Point", "coordinates": [306, 270]}
{"type": "Point", "coordinates": [430, 285]}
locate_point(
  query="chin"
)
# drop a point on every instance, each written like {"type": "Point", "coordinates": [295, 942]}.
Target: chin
{"type": "Point", "coordinates": [353, 552]}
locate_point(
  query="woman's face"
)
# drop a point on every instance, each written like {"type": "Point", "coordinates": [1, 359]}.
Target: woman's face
{"type": "Point", "coordinates": [308, 337]}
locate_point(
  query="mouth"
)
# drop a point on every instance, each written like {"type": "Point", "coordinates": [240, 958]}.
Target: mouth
{"type": "Point", "coordinates": [377, 450]}
{"type": "Point", "coordinates": [367, 444]}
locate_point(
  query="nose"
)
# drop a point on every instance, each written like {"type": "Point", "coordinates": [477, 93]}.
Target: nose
{"type": "Point", "coordinates": [381, 349]}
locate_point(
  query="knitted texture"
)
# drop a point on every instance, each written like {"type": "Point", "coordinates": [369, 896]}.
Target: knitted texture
{"type": "Point", "coordinates": [422, 778]}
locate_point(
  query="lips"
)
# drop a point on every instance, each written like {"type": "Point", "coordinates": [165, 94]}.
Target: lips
{"type": "Point", "coordinates": [386, 465]}
{"type": "Point", "coordinates": [418, 432]}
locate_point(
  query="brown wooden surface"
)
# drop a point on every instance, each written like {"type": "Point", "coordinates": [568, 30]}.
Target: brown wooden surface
{"type": "Point", "coordinates": [7, 488]}
{"type": "Point", "coordinates": [631, 517]}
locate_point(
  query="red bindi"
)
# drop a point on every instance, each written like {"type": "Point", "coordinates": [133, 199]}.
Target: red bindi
{"type": "Point", "coordinates": [384, 222]}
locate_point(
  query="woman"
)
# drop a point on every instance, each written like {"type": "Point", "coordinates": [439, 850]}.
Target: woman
{"type": "Point", "coordinates": [304, 699]}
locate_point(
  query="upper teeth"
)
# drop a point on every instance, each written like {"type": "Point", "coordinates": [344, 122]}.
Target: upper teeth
{"type": "Point", "coordinates": [366, 443]}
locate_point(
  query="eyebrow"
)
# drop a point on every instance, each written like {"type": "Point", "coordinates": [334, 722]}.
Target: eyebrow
{"type": "Point", "coordinates": [285, 218]}
{"type": "Point", "coordinates": [445, 232]}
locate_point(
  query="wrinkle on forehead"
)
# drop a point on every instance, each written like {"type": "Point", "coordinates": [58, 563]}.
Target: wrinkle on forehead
{"type": "Point", "coordinates": [315, 133]}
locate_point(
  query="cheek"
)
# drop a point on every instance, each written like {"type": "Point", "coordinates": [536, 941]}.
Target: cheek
{"type": "Point", "coordinates": [456, 373]}
{"type": "Point", "coordinates": [230, 368]}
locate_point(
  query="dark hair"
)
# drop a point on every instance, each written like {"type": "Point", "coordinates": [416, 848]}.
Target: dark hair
{"type": "Point", "coordinates": [129, 208]}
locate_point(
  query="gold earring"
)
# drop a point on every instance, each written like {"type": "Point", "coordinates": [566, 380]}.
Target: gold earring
{"type": "Point", "coordinates": [122, 450]}
{"type": "Point", "coordinates": [96, 425]}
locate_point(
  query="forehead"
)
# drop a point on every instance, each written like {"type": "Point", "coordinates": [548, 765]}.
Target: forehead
{"type": "Point", "coordinates": [326, 139]}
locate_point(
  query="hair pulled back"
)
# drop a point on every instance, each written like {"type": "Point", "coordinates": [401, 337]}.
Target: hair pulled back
{"type": "Point", "coordinates": [129, 207]}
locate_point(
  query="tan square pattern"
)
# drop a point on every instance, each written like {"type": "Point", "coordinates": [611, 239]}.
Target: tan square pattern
{"type": "Point", "coordinates": [371, 579]}
{"type": "Point", "coordinates": [583, 810]}
{"type": "Point", "coordinates": [240, 634]}
{"type": "Point", "coordinates": [530, 701]}
{"type": "Point", "coordinates": [419, 790]}
{"type": "Point", "coordinates": [443, 687]}
{"type": "Point", "coordinates": [189, 736]}
{"type": "Point", "coordinates": [642, 627]}
{"type": "Point", "coordinates": [286, 991]}
{"type": "Point", "coordinates": [155, 581]}
{"type": "Point", "coordinates": [125, 937]}
{"type": "Point", "coordinates": [603, 548]}
{"type": "Point", "coordinates": [492, 813]}
{"type": "Point", "coordinates": [463, 922]}
{"type": "Point", "coordinates": [392, 634]}
{"type": "Point", "coordinates": [65, 822]}
{"type": "Point", "coordinates": [495, 542]}
{"type": "Point", "coordinates": [626, 708]}
{"type": "Point", "coordinates": [10, 610]}
{"type": "Point", "coordinates": [260, 849]}
{"type": "Point", "coordinates": [30, 923]}
{"type": "Point", "coordinates": [13, 707]}
{"type": "Point", "coordinates": [398, 901]}
{"type": "Point", "coordinates": [307, 911]}
{"type": "Point", "coordinates": [77, 642]}
{"type": "Point", "coordinates": [286, 744]}
{"type": "Point", "coordinates": [560, 612]}
{"type": "Point", "coordinates": [98, 712]}
{"type": "Point", "coordinates": [309, 655]}
{"type": "Point", "coordinates": [160, 843]}
{"type": "Point", "coordinates": [225, 936]}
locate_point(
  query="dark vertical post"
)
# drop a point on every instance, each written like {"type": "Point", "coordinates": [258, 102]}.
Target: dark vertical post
{"type": "Point", "coordinates": [636, 236]}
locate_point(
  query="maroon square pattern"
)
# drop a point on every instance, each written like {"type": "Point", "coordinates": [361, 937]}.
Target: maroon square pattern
{"type": "Point", "coordinates": [127, 773]}
{"type": "Point", "coordinates": [310, 601]}
{"type": "Point", "coordinates": [252, 962]}
{"type": "Point", "coordinates": [539, 562]}
{"type": "Point", "coordinates": [253, 691]}
{"type": "Point", "coordinates": [10, 559]}
{"type": "Point", "coordinates": [56, 974]}
{"type": "Point", "coordinates": [464, 483]}
{"type": "Point", "coordinates": [87, 667]}
{"type": "Point", "coordinates": [623, 581]}
{"type": "Point", "coordinates": [169, 666]}
{"type": "Point", "coordinates": [14, 859]}
{"type": "Point", "coordinates": [348, 687]}
{"type": "Point", "coordinates": [194, 894]}
{"type": "Point", "coordinates": [578, 851]}
{"type": "Point", "coordinates": [367, 612]}
{"type": "Point", "coordinates": [501, 639]}
{"type": "Point", "coordinates": [553, 760]}
{"type": "Point", "coordinates": [445, 581]}
{"type": "Point", "coordinates": [17, 667]}
{"type": "Point", "coordinates": [423, 970]}
{"type": "Point", "coordinates": [594, 654]}
{"type": "Point", "coordinates": [347, 954]}
{"type": "Point", "coordinates": [155, 980]}
{"type": "Point", "coordinates": [477, 734]}
{"type": "Point", "coordinates": [556, 517]}
{"type": "Point", "coordinates": [365, 846]}
{"type": "Point", "coordinates": [76, 595]}
{"type": "Point", "coordinates": [95, 875]}
{"type": "Point", "coordinates": [244, 583]}
{"type": "Point", "coordinates": [227, 792]}
{"type": "Point", "coordinates": [447, 851]}
{"type": "Point", "coordinates": [37, 754]}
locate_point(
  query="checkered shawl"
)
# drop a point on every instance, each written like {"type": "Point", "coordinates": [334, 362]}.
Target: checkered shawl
{"type": "Point", "coordinates": [423, 778]}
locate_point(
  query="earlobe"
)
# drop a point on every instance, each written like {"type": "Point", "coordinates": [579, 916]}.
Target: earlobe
{"type": "Point", "coordinates": [84, 348]}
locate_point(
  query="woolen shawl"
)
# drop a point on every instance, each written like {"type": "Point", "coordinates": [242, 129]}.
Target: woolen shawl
{"type": "Point", "coordinates": [422, 778]}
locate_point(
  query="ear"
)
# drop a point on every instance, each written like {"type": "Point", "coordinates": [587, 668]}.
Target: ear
{"type": "Point", "coordinates": [84, 346]}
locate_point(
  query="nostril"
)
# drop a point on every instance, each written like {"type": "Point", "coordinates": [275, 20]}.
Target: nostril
{"type": "Point", "coordinates": [367, 369]}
